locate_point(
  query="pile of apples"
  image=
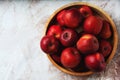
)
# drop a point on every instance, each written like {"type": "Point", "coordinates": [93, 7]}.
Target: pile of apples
{"type": "Point", "coordinates": [78, 39]}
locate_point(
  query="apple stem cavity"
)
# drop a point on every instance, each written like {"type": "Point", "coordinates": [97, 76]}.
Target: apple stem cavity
{"type": "Point", "coordinates": [65, 35]}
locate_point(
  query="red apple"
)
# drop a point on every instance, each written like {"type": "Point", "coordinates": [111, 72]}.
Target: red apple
{"type": "Point", "coordinates": [105, 48]}
{"type": "Point", "coordinates": [72, 18]}
{"type": "Point", "coordinates": [56, 58]}
{"type": "Point", "coordinates": [95, 62]}
{"type": "Point", "coordinates": [106, 31]}
{"type": "Point", "coordinates": [85, 11]}
{"type": "Point", "coordinates": [60, 17]}
{"type": "Point", "coordinates": [70, 57]}
{"type": "Point", "coordinates": [93, 25]}
{"type": "Point", "coordinates": [68, 37]}
{"type": "Point", "coordinates": [49, 44]}
{"type": "Point", "coordinates": [55, 30]}
{"type": "Point", "coordinates": [88, 43]}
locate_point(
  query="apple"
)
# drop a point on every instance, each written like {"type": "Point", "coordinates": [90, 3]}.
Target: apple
{"type": "Point", "coordinates": [55, 30]}
{"type": "Point", "coordinates": [85, 11]}
{"type": "Point", "coordinates": [70, 57]}
{"type": "Point", "coordinates": [93, 25]}
{"type": "Point", "coordinates": [56, 58]}
{"type": "Point", "coordinates": [106, 31]}
{"type": "Point", "coordinates": [72, 18]}
{"type": "Point", "coordinates": [87, 43]}
{"type": "Point", "coordinates": [49, 44]}
{"type": "Point", "coordinates": [68, 37]}
{"type": "Point", "coordinates": [95, 62]}
{"type": "Point", "coordinates": [105, 48]}
{"type": "Point", "coordinates": [60, 17]}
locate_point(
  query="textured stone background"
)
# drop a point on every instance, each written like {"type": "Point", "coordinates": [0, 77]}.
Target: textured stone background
{"type": "Point", "coordinates": [21, 28]}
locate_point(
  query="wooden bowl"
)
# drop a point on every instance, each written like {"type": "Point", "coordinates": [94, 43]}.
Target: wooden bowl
{"type": "Point", "coordinates": [100, 12]}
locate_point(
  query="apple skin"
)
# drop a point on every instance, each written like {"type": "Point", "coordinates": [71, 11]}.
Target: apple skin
{"type": "Point", "coordinates": [106, 31]}
{"type": "Point", "coordinates": [95, 62]}
{"type": "Point", "coordinates": [49, 44]}
{"type": "Point", "coordinates": [87, 44]}
{"type": "Point", "coordinates": [56, 58]}
{"type": "Point", "coordinates": [85, 11]}
{"type": "Point", "coordinates": [55, 30]}
{"type": "Point", "coordinates": [72, 18]}
{"type": "Point", "coordinates": [70, 57]}
{"type": "Point", "coordinates": [68, 37]}
{"type": "Point", "coordinates": [105, 48]}
{"type": "Point", "coordinates": [60, 17]}
{"type": "Point", "coordinates": [93, 25]}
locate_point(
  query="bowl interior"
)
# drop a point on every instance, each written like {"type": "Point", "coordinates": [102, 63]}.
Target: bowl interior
{"type": "Point", "coordinates": [97, 11]}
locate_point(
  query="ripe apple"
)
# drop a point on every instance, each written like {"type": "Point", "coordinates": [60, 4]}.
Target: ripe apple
{"type": "Point", "coordinates": [93, 25]}
{"type": "Point", "coordinates": [88, 43]}
{"type": "Point", "coordinates": [49, 44]}
{"type": "Point", "coordinates": [106, 31]}
{"type": "Point", "coordinates": [72, 18]}
{"type": "Point", "coordinates": [56, 58]}
{"type": "Point", "coordinates": [70, 57]}
{"type": "Point", "coordinates": [60, 17]}
{"type": "Point", "coordinates": [85, 11]}
{"type": "Point", "coordinates": [95, 62]}
{"type": "Point", "coordinates": [105, 48]}
{"type": "Point", "coordinates": [55, 30]}
{"type": "Point", "coordinates": [68, 37]}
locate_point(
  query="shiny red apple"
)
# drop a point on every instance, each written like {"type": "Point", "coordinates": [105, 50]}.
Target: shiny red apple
{"type": "Point", "coordinates": [72, 18]}
{"type": "Point", "coordinates": [105, 48]}
{"type": "Point", "coordinates": [70, 57]}
{"type": "Point", "coordinates": [49, 44]}
{"type": "Point", "coordinates": [93, 25]}
{"type": "Point", "coordinates": [68, 37]}
{"type": "Point", "coordinates": [54, 30]}
{"type": "Point", "coordinates": [106, 31]}
{"type": "Point", "coordinates": [85, 11]}
{"type": "Point", "coordinates": [95, 62]}
{"type": "Point", "coordinates": [88, 43]}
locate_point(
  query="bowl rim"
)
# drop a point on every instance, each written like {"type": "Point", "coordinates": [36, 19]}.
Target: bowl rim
{"type": "Point", "coordinates": [115, 36]}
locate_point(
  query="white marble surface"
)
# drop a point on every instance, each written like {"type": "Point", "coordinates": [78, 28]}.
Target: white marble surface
{"type": "Point", "coordinates": [21, 28]}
